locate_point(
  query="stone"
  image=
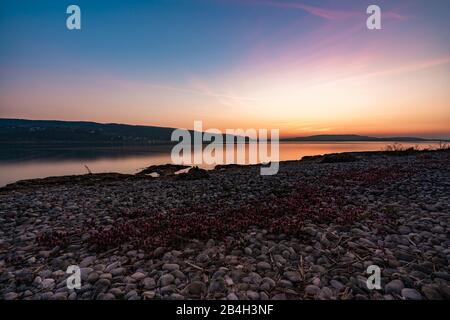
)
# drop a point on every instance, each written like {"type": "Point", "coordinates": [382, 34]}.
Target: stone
{"type": "Point", "coordinates": [131, 295]}
{"type": "Point", "coordinates": [170, 266]}
{"type": "Point", "coordinates": [178, 274]}
{"type": "Point", "coordinates": [202, 258]}
{"type": "Point", "coordinates": [48, 284]}
{"type": "Point", "coordinates": [404, 230]}
{"type": "Point", "coordinates": [326, 293]}
{"type": "Point", "coordinates": [86, 262]}
{"type": "Point", "coordinates": [72, 296]}
{"type": "Point", "coordinates": [103, 284]}
{"type": "Point", "coordinates": [11, 296]}
{"type": "Point", "coordinates": [166, 279]}
{"type": "Point", "coordinates": [85, 273]}
{"type": "Point", "coordinates": [37, 281]}
{"type": "Point", "coordinates": [93, 277]}
{"type": "Point", "coordinates": [106, 296]}
{"type": "Point", "coordinates": [132, 253]}
{"type": "Point", "coordinates": [147, 295]}
{"type": "Point", "coordinates": [24, 276]}
{"type": "Point", "coordinates": [293, 276]}
{"type": "Point", "coordinates": [411, 294]}
{"type": "Point", "coordinates": [318, 268]}
{"type": "Point", "coordinates": [176, 296]}
{"type": "Point", "coordinates": [367, 243]}
{"type": "Point", "coordinates": [285, 283]}
{"type": "Point", "coordinates": [106, 276]}
{"type": "Point", "coordinates": [217, 285]}
{"type": "Point", "coordinates": [149, 283]}
{"type": "Point", "coordinates": [117, 271]}
{"type": "Point", "coordinates": [232, 296]}
{"type": "Point", "coordinates": [279, 296]}
{"type": "Point", "coordinates": [316, 281]}
{"type": "Point", "coordinates": [337, 285]}
{"type": "Point", "coordinates": [262, 265]}
{"type": "Point", "coordinates": [159, 251]}
{"type": "Point", "coordinates": [252, 295]}
{"type": "Point", "coordinates": [138, 276]}
{"type": "Point", "coordinates": [60, 296]}
{"type": "Point", "coordinates": [395, 286]}
{"type": "Point", "coordinates": [431, 293]}
{"type": "Point", "coordinates": [442, 275]}
{"type": "Point", "coordinates": [117, 292]}
{"type": "Point", "coordinates": [312, 290]}
{"type": "Point", "coordinates": [166, 290]}
{"type": "Point", "coordinates": [112, 266]}
{"type": "Point", "coordinates": [196, 288]}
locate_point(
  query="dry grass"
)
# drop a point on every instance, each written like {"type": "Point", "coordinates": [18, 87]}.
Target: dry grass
{"type": "Point", "coordinates": [398, 147]}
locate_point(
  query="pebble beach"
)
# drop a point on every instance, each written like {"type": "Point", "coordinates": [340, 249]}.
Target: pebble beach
{"type": "Point", "coordinates": [308, 232]}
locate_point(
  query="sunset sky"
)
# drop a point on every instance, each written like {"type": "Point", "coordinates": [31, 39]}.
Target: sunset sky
{"type": "Point", "coordinates": [304, 67]}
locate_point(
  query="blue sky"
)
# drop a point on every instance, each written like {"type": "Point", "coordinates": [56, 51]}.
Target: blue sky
{"type": "Point", "coordinates": [144, 61]}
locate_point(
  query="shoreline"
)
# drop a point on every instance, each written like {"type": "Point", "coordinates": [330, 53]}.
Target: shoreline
{"type": "Point", "coordinates": [25, 164]}
{"type": "Point", "coordinates": [308, 232]}
{"type": "Point", "coordinates": [348, 156]}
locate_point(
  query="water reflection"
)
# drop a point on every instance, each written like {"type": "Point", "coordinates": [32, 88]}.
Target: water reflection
{"type": "Point", "coordinates": [17, 163]}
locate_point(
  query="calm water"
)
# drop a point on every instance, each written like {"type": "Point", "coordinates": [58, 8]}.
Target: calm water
{"type": "Point", "coordinates": [33, 162]}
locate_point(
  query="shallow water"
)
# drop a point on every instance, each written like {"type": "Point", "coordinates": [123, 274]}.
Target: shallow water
{"type": "Point", "coordinates": [18, 163]}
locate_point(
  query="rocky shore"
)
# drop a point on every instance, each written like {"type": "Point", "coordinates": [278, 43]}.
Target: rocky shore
{"type": "Point", "coordinates": [309, 232]}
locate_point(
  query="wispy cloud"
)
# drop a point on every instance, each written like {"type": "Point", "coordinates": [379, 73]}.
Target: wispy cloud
{"type": "Point", "coordinates": [201, 88]}
{"type": "Point", "coordinates": [325, 13]}
{"type": "Point", "coordinates": [225, 98]}
{"type": "Point", "coordinates": [416, 66]}
{"type": "Point", "coordinates": [392, 71]}
{"type": "Point", "coordinates": [317, 11]}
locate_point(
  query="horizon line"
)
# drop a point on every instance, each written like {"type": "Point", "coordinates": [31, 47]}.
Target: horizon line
{"type": "Point", "coordinates": [290, 136]}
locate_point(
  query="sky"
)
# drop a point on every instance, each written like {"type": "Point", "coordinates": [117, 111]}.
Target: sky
{"type": "Point", "coordinates": [304, 67]}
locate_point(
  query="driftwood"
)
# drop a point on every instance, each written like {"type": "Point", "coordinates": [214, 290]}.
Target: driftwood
{"type": "Point", "coordinates": [162, 170]}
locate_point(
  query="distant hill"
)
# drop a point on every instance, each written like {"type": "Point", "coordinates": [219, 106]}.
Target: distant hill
{"type": "Point", "coordinates": [17, 130]}
{"type": "Point", "coordinates": [352, 137]}
{"type": "Point", "coordinates": [55, 131]}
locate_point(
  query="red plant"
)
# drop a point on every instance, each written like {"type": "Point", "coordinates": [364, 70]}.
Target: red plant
{"type": "Point", "coordinates": [370, 176]}
{"type": "Point", "coordinates": [283, 215]}
{"type": "Point", "coordinates": [53, 239]}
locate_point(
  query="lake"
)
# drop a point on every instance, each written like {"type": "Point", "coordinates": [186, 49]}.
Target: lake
{"type": "Point", "coordinates": [18, 163]}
